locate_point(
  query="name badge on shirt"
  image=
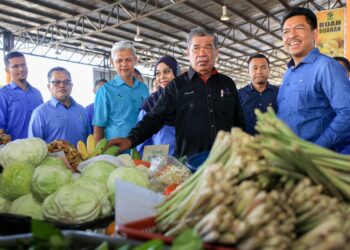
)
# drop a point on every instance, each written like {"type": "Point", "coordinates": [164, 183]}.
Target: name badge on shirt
{"type": "Point", "coordinates": [189, 93]}
{"type": "Point", "coordinates": [225, 92]}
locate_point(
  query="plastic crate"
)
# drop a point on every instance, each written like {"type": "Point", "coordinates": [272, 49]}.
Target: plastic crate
{"type": "Point", "coordinates": [144, 230]}
{"type": "Point", "coordinates": [18, 224]}
{"type": "Point", "coordinates": [194, 161]}
{"type": "Point", "coordinates": [78, 239]}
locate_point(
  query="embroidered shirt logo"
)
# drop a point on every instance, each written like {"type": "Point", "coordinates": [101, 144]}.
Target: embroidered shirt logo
{"type": "Point", "coordinates": [189, 93]}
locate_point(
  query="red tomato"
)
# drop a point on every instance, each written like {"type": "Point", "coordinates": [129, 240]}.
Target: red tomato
{"type": "Point", "coordinates": [169, 189]}
{"type": "Point", "coordinates": [140, 162]}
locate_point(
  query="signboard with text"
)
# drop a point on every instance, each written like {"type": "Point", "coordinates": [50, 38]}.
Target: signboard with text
{"type": "Point", "coordinates": [331, 31]}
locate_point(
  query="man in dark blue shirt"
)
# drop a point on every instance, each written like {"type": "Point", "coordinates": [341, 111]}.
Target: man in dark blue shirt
{"type": "Point", "coordinates": [90, 108]}
{"type": "Point", "coordinates": [313, 99]}
{"type": "Point", "coordinates": [259, 94]}
{"type": "Point", "coordinates": [18, 99]}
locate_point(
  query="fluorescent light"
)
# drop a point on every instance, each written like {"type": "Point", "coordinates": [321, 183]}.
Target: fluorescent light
{"type": "Point", "coordinates": [138, 37]}
{"type": "Point", "coordinates": [224, 16]}
{"type": "Point", "coordinates": [57, 52]}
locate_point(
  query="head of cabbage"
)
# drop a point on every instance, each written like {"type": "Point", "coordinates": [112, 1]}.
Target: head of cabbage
{"type": "Point", "coordinates": [32, 150]}
{"type": "Point", "coordinates": [71, 204]}
{"type": "Point", "coordinates": [4, 205]}
{"type": "Point", "coordinates": [130, 174]}
{"type": "Point", "coordinates": [27, 205]}
{"type": "Point", "coordinates": [47, 179]}
{"type": "Point", "coordinates": [16, 180]}
{"type": "Point", "coordinates": [98, 170]}
{"type": "Point", "coordinates": [52, 161]}
{"type": "Point", "coordinates": [99, 189]}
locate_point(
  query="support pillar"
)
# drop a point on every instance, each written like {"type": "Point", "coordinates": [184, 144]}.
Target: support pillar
{"type": "Point", "coordinates": [347, 30]}
{"type": "Point", "coordinates": [8, 43]}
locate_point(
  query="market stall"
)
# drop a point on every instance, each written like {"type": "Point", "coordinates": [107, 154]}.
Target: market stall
{"type": "Point", "coordinates": [271, 191]}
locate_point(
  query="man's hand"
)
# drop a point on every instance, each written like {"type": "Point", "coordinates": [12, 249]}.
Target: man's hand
{"type": "Point", "coordinates": [122, 143]}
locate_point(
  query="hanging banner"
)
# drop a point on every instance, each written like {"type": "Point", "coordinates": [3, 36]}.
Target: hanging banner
{"type": "Point", "coordinates": [331, 31]}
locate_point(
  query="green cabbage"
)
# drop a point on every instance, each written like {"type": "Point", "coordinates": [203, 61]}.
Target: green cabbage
{"type": "Point", "coordinates": [53, 161]}
{"type": "Point", "coordinates": [27, 205]}
{"type": "Point", "coordinates": [4, 205]}
{"type": "Point", "coordinates": [130, 174]}
{"type": "Point", "coordinates": [99, 189]}
{"type": "Point", "coordinates": [31, 150]}
{"type": "Point", "coordinates": [71, 204]}
{"type": "Point", "coordinates": [99, 170]}
{"type": "Point", "coordinates": [126, 159]}
{"type": "Point", "coordinates": [47, 179]}
{"type": "Point", "coordinates": [16, 180]}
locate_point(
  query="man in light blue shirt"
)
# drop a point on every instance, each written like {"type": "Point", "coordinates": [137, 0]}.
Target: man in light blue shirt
{"type": "Point", "coordinates": [61, 117]}
{"type": "Point", "coordinates": [17, 99]}
{"type": "Point", "coordinates": [314, 97]}
{"type": "Point", "coordinates": [118, 102]}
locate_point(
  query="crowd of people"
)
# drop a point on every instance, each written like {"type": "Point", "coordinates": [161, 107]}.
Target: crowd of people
{"type": "Point", "coordinates": [187, 109]}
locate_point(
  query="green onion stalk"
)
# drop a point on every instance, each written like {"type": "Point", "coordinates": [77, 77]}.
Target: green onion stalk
{"type": "Point", "coordinates": [170, 211]}
{"type": "Point", "coordinates": [280, 144]}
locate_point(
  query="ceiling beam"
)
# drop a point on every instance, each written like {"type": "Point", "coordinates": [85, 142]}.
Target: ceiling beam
{"type": "Point", "coordinates": [80, 19]}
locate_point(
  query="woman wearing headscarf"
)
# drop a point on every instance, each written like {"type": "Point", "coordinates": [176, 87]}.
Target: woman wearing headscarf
{"type": "Point", "coordinates": [165, 71]}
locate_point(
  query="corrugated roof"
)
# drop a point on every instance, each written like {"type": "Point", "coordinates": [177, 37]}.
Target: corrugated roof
{"type": "Point", "coordinates": [85, 30]}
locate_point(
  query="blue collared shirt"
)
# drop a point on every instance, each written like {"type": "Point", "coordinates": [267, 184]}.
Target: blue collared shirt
{"type": "Point", "coordinates": [52, 121]}
{"type": "Point", "coordinates": [117, 106]}
{"type": "Point", "coordinates": [16, 107]}
{"type": "Point", "coordinates": [314, 100]}
{"type": "Point", "coordinates": [90, 109]}
{"type": "Point", "coordinates": [250, 99]}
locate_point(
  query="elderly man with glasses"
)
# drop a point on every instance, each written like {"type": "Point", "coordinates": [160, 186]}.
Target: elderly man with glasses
{"type": "Point", "coordinates": [17, 99]}
{"type": "Point", "coordinates": [61, 117]}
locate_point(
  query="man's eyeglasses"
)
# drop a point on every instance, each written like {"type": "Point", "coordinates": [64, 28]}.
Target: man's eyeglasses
{"type": "Point", "coordinates": [56, 83]}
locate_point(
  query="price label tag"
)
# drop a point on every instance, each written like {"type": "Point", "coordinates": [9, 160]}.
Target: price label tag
{"type": "Point", "coordinates": [153, 151]}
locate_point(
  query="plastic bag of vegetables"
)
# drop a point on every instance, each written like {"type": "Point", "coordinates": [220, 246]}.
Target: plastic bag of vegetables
{"type": "Point", "coordinates": [32, 150]}
{"type": "Point", "coordinates": [108, 158]}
